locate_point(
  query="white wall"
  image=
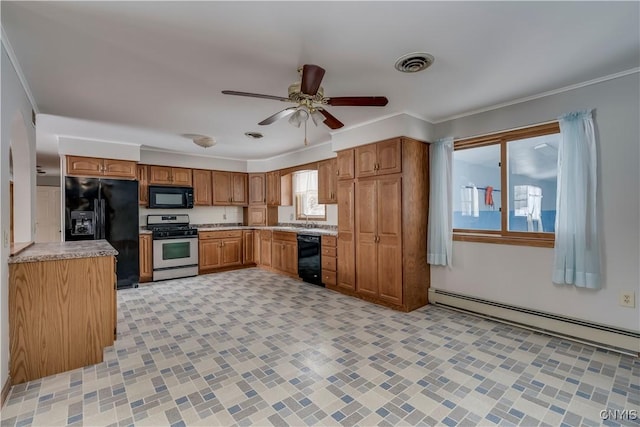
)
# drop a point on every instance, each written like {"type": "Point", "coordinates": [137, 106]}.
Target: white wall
{"type": "Point", "coordinates": [522, 275]}
{"type": "Point", "coordinates": [98, 148]}
{"type": "Point", "coordinates": [312, 153]}
{"type": "Point", "coordinates": [14, 102]}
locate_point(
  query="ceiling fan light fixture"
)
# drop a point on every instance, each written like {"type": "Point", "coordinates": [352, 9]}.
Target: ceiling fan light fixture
{"type": "Point", "coordinates": [317, 117]}
{"type": "Point", "coordinates": [300, 116]}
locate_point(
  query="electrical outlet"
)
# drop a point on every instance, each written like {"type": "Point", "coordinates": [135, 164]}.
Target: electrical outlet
{"type": "Point", "coordinates": [291, 217]}
{"type": "Point", "coordinates": [224, 216]}
{"type": "Point", "coordinates": [5, 238]}
{"type": "Point", "coordinates": [627, 299]}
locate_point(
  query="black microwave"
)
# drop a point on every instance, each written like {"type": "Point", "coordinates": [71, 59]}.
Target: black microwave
{"type": "Point", "coordinates": [161, 197]}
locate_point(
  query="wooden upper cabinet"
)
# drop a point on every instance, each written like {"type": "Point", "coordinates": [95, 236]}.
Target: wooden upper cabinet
{"type": "Point", "coordinates": [142, 172]}
{"type": "Point", "coordinates": [273, 188]}
{"type": "Point", "coordinates": [346, 164]}
{"type": "Point", "coordinates": [379, 159]}
{"type": "Point", "coordinates": [221, 188]}
{"type": "Point", "coordinates": [202, 187]}
{"type": "Point", "coordinates": [92, 166]}
{"type": "Point", "coordinates": [182, 177]}
{"type": "Point", "coordinates": [327, 181]}
{"type": "Point", "coordinates": [257, 189]}
{"type": "Point", "coordinates": [166, 175]}
{"type": "Point", "coordinates": [279, 189]}
{"type": "Point", "coordinates": [239, 189]}
{"type": "Point", "coordinates": [229, 188]}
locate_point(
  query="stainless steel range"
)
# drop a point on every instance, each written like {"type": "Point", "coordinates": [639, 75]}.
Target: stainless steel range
{"type": "Point", "coordinates": [175, 246]}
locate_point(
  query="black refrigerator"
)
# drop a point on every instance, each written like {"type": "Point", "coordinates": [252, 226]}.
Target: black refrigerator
{"type": "Point", "coordinates": [97, 208]}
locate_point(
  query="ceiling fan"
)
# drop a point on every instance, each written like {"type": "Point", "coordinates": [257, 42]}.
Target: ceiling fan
{"type": "Point", "coordinates": [309, 96]}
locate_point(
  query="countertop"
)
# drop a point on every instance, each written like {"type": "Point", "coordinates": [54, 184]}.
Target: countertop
{"type": "Point", "coordinates": [298, 230]}
{"type": "Point", "coordinates": [64, 250]}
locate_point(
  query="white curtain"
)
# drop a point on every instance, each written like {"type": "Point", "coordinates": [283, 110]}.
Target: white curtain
{"type": "Point", "coordinates": [577, 254]}
{"type": "Point", "coordinates": [439, 233]}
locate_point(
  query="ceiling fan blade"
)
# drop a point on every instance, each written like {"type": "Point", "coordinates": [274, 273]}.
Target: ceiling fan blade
{"type": "Point", "coordinates": [279, 115]}
{"type": "Point", "coordinates": [311, 78]}
{"type": "Point", "coordinates": [358, 101]}
{"type": "Point", "coordinates": [330, 120]}
{"type": "Point", "coordinates": [254, 95]}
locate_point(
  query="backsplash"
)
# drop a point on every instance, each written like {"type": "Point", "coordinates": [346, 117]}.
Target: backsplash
{"type": "Point", "coordinates": [224, 215]}
{"type": "Point", "coordinates": [286, 214]}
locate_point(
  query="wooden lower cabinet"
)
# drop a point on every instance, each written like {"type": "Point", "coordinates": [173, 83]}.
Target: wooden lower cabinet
{"type": "Point", "coordinates": [265, 247]}
{"type": "Point", "coordinates": [146, 258]}
{"type": "Point", "coordinates": [284, 252]}
{"type": "Point", "coordinates": [328, 259]}
{"type": "Point", "coordinates": [218, 250]}
{"type": "Point", "coordinates": [61, 315]}
{"type": "Point", "coordinates": [248, 257]}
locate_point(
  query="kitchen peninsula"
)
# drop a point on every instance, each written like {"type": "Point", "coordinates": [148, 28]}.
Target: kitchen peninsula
{"type": "Point", "coordinates": [62, 307]}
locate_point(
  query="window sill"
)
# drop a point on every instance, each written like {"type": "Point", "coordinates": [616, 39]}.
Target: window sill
{"type": "Point", "coordinates": [505, 240]}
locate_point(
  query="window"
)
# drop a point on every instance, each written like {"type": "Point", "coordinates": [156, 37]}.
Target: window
{"type": "Point", "coordinates": [504, 186]}
{"type": "Point", "coordinates": [305, 186]}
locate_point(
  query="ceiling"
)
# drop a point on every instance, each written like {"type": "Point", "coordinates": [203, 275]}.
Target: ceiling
{"type": "Point", "coordinates": [162, 66]}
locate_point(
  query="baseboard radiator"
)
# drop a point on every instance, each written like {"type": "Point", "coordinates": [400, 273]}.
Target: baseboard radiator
{"type": "Point", "coordinates": [607, 337]}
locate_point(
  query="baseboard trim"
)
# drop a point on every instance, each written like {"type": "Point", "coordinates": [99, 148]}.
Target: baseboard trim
{"type": "Point", "coordinates": [6, 388]}
{"type": "Point", "coordinates": [607, 337]}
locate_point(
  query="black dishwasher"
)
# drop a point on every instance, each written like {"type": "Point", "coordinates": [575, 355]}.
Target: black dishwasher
{"type": "Point", "coordinates": [309, 266]}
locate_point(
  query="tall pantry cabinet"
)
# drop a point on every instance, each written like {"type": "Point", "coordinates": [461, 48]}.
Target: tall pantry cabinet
{"type": "Point", "coordinates": [382, 223]}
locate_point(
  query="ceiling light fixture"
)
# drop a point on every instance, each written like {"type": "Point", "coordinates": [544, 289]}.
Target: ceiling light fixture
{"type": "Point", "coordinates": [201, 140]}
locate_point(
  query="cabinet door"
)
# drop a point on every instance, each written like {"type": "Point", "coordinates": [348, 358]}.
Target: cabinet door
{"type": "Point", "coordinates": [346, 236]}
{"type": "Point", "coordinates": [389, 232]}
{"type": "Point", "coordinates": [247, 247]}
{"type": "Point", "coordinates": [142, 172]}
{"type": "Point", "coordinates": [209, 255]}
{"type": "Point", "coordinates": [366, 254]}
{"type": "Point", "coordinates": [290, 258]}
{"type": "Point", "coordinates": [327, 181]}
{"type": "Point", "coordinates": [345, 164]}
{"type": "Point", "coordinates": [221, 188]}
{"type": "Point", "coordinates": [366, 160]}
{"type": "Point", "coordinates": [273, 188]}
{"type": "Point", "coordinates": [257, 215]}
{"type": "Point", "coordinates": [231, 251]}
{"type": "Point", "coordinates": [257, 189]}
{"type": "Point", "coordinates": [160, 175]}
{"type": "Point", "coordinates": [119, 168]}
{"type": "Point", "coordinates": [256, 247]}
{"type": "Point", "coordinates": [201, 187]}
{"type": "Point", "coordinates": [265, 248]}
{"type": "Point", "coordinates": [389, 154]}
{"type": "Point", "coordinates": [181, 177]}
{"type": "Point", "coordinates": [146, 258]}
{"type": "Point", "coordinates": [277, 255]}
{"type": "Point", "coordinates": [239, 189]}
{"type": "Point", "coordinates": [84, 166]}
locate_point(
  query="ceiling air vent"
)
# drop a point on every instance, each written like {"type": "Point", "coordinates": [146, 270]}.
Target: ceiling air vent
{"type": "Point", "coordinates": [253, 135]}
{"type": "Point", "coordinates": [414, 62]}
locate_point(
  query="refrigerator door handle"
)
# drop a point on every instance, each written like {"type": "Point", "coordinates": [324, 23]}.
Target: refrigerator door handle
{"type": "Point", "coordinates": [96, 219]}
{"type": "Point", "coordinates": [102, 219]}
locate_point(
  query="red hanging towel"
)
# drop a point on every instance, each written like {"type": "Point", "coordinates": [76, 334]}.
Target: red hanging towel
{"type": "Point", "coordinates": [488, 196]}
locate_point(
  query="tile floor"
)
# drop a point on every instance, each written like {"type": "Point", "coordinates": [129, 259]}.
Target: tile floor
{"type": "Point", "coordinates": [251, 347]}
